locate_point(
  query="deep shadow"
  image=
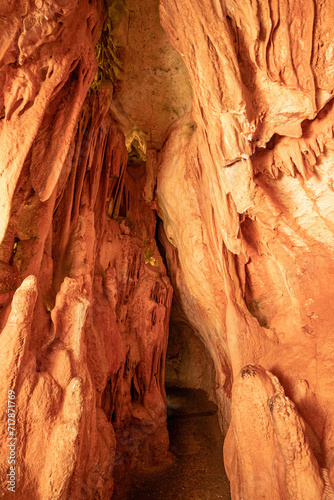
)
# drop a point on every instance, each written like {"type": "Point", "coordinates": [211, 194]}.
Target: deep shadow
{"type": "Point", "coordinates": [196, 471]}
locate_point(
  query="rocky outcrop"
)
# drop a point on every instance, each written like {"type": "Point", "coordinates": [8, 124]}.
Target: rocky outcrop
{"type": "Point", "coordinates": [245, 193]}
{"type": "Point", "coordinates": [268, 442]}
{"type": "Point", "coordinates": [85, 299]}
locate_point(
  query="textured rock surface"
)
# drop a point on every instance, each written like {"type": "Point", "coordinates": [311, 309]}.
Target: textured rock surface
{"type": "Point", "coordinates": [243, 182]}
{"type": "Point", "coordinates": [246, 196]}
{"type": "Point", "coordinates": [266, 428]}
{"type": "Point", "coordinates": [188, 363]}
{"type": "Point", "coordinates": [84, 294]}
{"type": "Point", "coordinates": [153, 88]}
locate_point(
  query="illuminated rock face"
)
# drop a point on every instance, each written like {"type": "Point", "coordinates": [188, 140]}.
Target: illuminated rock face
{"type": "Point", "coordinates": [245, 191]}
{"type": "Point", "coordinates": [84, 294]}
{"type": "Point", "coordinates": [244, 184]}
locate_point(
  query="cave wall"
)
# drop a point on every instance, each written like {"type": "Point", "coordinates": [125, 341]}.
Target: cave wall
{"type": "Point", "coordinates": [245, 193]}
{"type": "Point", "coordinates": [188, 362]}
{"type": "Point", "coordinates": [84, 295]}
{"type": "Point", "coordinates": [239, 166]}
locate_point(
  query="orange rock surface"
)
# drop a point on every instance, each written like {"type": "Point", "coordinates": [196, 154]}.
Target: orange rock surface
{"type": "Point", "coordinates": [245, 192]}
{"type": "Point", "coordinates": [85, 299]}
{"type": "Point", "coordinates": [238, 164]}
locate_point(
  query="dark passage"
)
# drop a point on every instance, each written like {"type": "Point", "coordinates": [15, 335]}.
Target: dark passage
{"type": "Point", "coordinates": [197, 470]}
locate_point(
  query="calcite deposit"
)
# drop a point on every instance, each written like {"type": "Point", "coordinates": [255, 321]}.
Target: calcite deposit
{"type": "Point", "coordinates": [245, 192]}
{"type": "Point", "coordinates": [85, 298]}
{"type": "Point", "coordinates": [221, 128]}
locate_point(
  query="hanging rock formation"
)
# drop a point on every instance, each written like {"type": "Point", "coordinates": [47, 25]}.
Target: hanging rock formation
{"type": "Point", "coordinates": [85, 299]}
{"type": "Point", "coordinates": [246, 196]}
{"type": "Point", "coordinates": [100, 129]}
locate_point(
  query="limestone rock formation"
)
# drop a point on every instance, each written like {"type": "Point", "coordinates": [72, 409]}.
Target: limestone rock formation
{"type": "Point", "coordinates": [225, 133]}
{"type": "Point", "coordinates": [267, 442]}
{"type": "Point", "coordinates": [85, 299]}
{"type": "Point", "coordinates": [244, 189]}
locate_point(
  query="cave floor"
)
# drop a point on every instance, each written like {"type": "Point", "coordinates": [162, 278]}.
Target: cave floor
{"type": "Point", "coordinates": [197, 470]}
